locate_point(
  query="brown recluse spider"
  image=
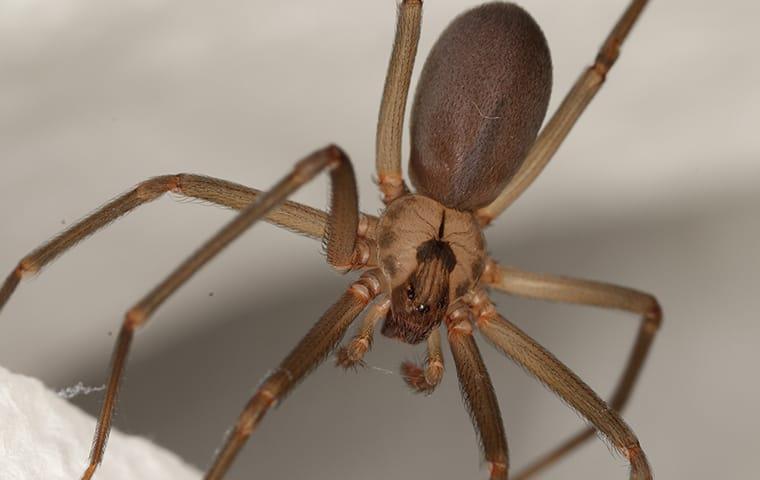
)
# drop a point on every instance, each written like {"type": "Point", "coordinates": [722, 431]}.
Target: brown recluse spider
{"type": "Point", "coordinates": [475, 147]}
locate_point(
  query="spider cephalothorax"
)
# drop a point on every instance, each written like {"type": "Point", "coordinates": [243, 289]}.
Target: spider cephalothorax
{"type": "Point", "coordinates": [430, 255]}
{"type": "Point", "coordinates": [480, 102]}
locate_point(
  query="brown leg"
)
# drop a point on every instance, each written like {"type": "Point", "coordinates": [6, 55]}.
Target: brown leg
{"type": "Point", "coordinates": [341, 233]}
{"type": "Point", "coordinates": [585, 292]}
{"type": "Point", "coordinates": [478, 393]}
{"type": "Point", "coordinates": [576, 101]}
{"type": "Point", "coordinates": [352, 355]}
{"type": "Point", "coordinates": [425, 381]}
{"type": "Point", "coordinates": [518, 346]}
{"type": "Point", "coordinates": [310, 351]}
{"type": "Point", "coordinates": [391, 121]}
{"type": "Point", "coordinates": [290, 215]}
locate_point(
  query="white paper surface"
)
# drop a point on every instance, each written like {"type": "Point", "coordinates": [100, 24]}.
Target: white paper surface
{"type": "Point", "coordinates": [43, 436]}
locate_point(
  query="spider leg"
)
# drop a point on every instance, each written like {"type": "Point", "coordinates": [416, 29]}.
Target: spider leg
{"type": "Point", "coordinates": [309, 353]}
{"type": "Point", "coordinates": [540, 363]}
{"type": "Point", "coordinates": [425, 380]}
{"type": "Point", "coordinates": [551, 287]}
{"type": "Point", "coordinates": [478, 393]}
{"type": "Point", "coordinates": [293, 216]}
{"type": "Point", "coordinates": [340, 234]}
{"type": "Point", "coordinates": [352, 355]}
{"type": "Point", "coordinates": [391, 120]}
{"type": "Point", "coordinates": [559, 125]}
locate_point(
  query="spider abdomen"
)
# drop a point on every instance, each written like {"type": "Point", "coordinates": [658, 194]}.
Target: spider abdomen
{"type": "Point", "coordinates": [480, 101]}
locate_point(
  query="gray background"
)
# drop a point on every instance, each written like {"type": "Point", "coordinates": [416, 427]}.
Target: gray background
{"type": "Point", "coordinates": [657, 188]}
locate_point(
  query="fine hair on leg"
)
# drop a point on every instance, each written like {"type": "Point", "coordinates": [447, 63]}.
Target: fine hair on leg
{"type": "Point", "coordinates": [478, 394]}
{"type": "Point", "coordinates": [391, 119]}
{"type": "Point", "coordinates": [342, 232]}
{"type": "Point", "coordinates": [310, 352]}
{"type": "Point", "coordinates": [584, 292]}
{"type": "Point", "coordinates": [292, 216]}
{"type": "Point", "coordinates": [540, 363]}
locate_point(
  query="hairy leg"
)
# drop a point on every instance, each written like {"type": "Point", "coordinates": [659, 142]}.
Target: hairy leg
{"type": "Point", "coordinates": [309, 353]}
{"type": "Point", "coordinates": [391, 121]}
{"type": "Point", "coordinates": [560, 124]}
{"type": "Point", "coordinates": [540, 363]}
{"type": "Point", "coordinates": [293, 216]}
{"type": "Point", "coordinates": [563, 289]}
{"type": "Point", "coordinates": [341, 238]}
{"type": "Point", "coordinates": [477, 391]}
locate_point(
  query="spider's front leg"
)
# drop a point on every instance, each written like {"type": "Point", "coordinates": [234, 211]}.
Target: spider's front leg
{"type": "Point", "coordinates": [340, 238]}
{"type": "Point", "coordinates": [293, 216]}
{"type": "Point", "coordinates": [309, 353]}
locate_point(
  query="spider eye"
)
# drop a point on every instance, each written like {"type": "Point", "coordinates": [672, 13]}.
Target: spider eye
{"type": "Point", "coordinates": [422, 308]}
{"type": "Point", "coordinates": [442, 303]}
{"type": "Point", "coordinates": [410, 292]}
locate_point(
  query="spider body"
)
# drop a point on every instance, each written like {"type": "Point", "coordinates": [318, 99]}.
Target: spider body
{"type": "Point", "coordinates": [480, 101]}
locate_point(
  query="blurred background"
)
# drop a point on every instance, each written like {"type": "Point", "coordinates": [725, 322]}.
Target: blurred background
{"type": "Point", "coordinates": [656, 188]}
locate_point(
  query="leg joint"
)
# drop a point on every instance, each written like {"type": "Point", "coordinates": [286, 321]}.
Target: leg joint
{"type": "Point", "coordinates": [26, 266]}
{"type": "Point", "coordinates": [491, 273]}
{"type": "Point", "coordinates": [246, 424]}
{"type": "Point", "coordinates": [606, 58]}
{"type": "Point", "coordinates": [135, 318]}
{"type": "Point", "coordinates": [633, 452]}
{"type": "Point", "coordinates": [155, 187]}
{"type": "Point", "coordinates": [179, 183]}
{"type": "Point", "coordinates": [457, 322]}
{"type": "Point", "coordinates": [498, 470]}
{"type": "Point", "coordinates": [653, 316]}
{"type": "Point", "coordinates": [336, 154]}
{"type": "Point", "coordinates": [367, 287]}
{"type": "Point", "coordinates": [329, 157]}
{"type": "Point", "coordinates": [392, 186]}
{"type": "Point", "coordinates": [360, 257]}
{"type": "Point", "coordinates": [434, 372]}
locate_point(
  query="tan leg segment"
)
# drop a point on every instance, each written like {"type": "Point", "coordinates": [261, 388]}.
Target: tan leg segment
{"type": "Point", "coordinates": [352, 355]}
{"type": "Point", "coordinates": [309, 353]}
{"type": "Point", "coordinates": [331, 158]}
{"type": "Point", "coordinates": [391, 121]}
{"type": "Point", "coordinates": [479, 396]}
{"type": "Point", "coordinates": [576, 101]}
{"type": "Point", "coordinates": [290, 215]}
{"type": "Point", "coordinates": [540, 363]}
{"type": "Point", "coordinates": [585, 292]}
{"type": "Point", "coordinates": [425, 380]}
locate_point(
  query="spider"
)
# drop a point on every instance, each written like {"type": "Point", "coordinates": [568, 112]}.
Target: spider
{"type": "Point", "coordinates": [475, 147]}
